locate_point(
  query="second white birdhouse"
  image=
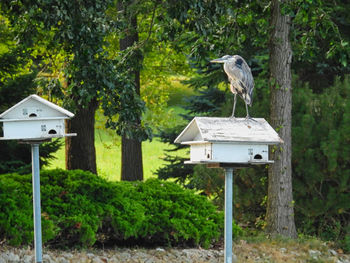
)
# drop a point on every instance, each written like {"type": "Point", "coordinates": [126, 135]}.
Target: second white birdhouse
{"type": "Point", "coordinates": [229, 140]}
{"type": "Point", "coordinates": [34, 118]}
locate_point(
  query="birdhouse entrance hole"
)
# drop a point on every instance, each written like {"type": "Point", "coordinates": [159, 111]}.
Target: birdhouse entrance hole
{"type": "Point", "coordinates": [52, 131]}
{"type": "Point", "coordinates": [257, 157]}
{"type": "Point", "coordinates": [33, 115]}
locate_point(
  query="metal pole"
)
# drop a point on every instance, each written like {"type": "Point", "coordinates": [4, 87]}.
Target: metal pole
{"type": "Point", "coordinates": [36, 203]}
{"type": "Point", "coordinates": [228, 214]}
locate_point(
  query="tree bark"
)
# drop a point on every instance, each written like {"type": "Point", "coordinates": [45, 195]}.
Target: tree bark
{"type": "Point", "coordinates": [280, 211]}
{"type": "Point", "coordinates": [131, 161]}
{"type": "Point", "coordinates": [80, 149]}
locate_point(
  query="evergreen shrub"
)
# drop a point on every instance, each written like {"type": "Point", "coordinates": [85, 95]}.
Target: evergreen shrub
{"type": "Point", "coordinates": [321, 164]}
{"type": "Point", "coordinates": [81, 209]}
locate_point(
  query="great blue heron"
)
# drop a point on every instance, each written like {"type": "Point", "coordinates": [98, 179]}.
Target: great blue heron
{"type": "Point", "coordinates": [240, 77]}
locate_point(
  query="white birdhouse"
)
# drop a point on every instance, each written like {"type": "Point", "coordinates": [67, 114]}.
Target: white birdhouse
{"type": "Point", "coordinates": [34, 118]}
{"type": "Point", "coordinates": [229, 140]}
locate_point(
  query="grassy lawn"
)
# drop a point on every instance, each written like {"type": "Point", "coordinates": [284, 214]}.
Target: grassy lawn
{"type": "Point", "coordinates": [108, 155]}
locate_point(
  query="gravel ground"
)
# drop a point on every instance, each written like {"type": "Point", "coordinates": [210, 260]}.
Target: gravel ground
{"type": "Point", "coordinates": [158, 255]}
{"type": "Point", "coordinates": [246, 252]}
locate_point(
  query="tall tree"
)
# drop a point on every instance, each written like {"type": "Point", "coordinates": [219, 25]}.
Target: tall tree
{"type": "Point", "coordinates": [82, 27]}
{"type": "Point", "coordinates": [80, 150]}
{"type": "Point", "coordinates": [131, 161]}
{"type": "Point", "coordinates": [280, 212]}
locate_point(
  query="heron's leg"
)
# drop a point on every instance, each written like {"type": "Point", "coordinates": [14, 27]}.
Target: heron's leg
{"type": "Point", "coordinates": [248, 116]}
{"type": "Point", "coordinates": [234, 105]}
{"type": "Point", "coordinates": [246, 108]}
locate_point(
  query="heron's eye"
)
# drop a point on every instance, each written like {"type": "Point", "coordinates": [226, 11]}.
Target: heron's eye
{"type": "Point", "coordinates": [239, 62]}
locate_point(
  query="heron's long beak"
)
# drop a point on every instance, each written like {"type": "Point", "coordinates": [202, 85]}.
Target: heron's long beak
{"type": "Point", "coordinates": [218, 60]}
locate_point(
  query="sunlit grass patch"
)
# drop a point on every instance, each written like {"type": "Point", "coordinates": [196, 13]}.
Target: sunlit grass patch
{"type": "Point", "coordinates": [179, 92]}
{"type": "Point", "coordinates": [108, 155]}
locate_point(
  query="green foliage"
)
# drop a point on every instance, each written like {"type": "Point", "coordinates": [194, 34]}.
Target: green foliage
{"type": "Point", "coordinates": [207, 102]}
{"type": "Point", "coordinates": [68, 42]}
{"type": "Point", "coordinates": [81, 209]}
{"type": "Point", "coordinates": [160, 74]}
{"type": "Point", "coordinates": [16, 83]}
{"type": "Point", "coordinates": [17, 157]}
{"type": "Point", "coordinates": [320, 39]}
{"type": "Point", "coordinates": [217, 27]}
{"type": "Point", "coordinates": [15, 210]}
{"type": "Point", "coordinates": [250, 188]}
{"type": "Point", "coordinates": [16, 217]}
{"type": "Point", "coordinates": [320, 164]}
{"type": "Point", "coordinates": [211, 182]}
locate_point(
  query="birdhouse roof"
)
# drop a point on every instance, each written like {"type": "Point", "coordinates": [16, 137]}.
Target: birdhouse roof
{"type": "Point", "coordinates": [240, 130]}
{"type": "Point", "coordinates": [49, 109]}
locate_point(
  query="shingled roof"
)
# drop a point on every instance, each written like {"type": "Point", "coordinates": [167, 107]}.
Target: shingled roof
{"type": "Point", "coordinates": [15, 111]}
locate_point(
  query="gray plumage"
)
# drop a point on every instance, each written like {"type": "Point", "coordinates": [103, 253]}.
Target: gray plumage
{"type": "Point", "coordinates": [240, 78]}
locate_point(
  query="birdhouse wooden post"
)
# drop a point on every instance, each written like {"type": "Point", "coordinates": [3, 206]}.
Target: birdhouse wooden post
{"type": "Point", "coordinates": [228, 143]}
{"type": "Point", "coordinates": [33, 121]}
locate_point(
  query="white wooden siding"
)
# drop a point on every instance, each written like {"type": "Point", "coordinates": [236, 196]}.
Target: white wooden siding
{"type": "Point", "coordinates": [33, 129]}
{"type": "Point", "coordinates": [239, 153]}
{"type": "Point", "coordinates": [201, 152]}
{"type": "Point", "coordinates": [229, 153]}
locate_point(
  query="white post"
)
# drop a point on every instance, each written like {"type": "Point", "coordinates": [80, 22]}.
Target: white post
{"type": "Point", "coordinates": [228, 214]}
{"type": "Point", "coordinates": [36, 203]}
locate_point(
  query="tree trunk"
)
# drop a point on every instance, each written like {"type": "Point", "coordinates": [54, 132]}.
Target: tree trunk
{"type": "Point", "coordinates": [131, 161]}
{"type": "Point", "coordinates": [80, 150]}
{"type": "Point", "coordinates": [280, 211]}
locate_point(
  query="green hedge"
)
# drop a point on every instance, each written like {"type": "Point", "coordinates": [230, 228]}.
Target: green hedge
{"type": "Point", "coordinates": [81, 209]}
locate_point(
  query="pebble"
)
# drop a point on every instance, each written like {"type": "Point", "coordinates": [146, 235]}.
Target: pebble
{"type": "Point", "coordinates": [314, 253]}
{"type": "Point", "coordinates": [332, 252]}
{"type": "Point", "coordinates": [97, 260]}
{"type": "Point", "coordinates": [28, 259]}
{"type": "Point", "coordinates": [90, 255]}
{"type": "Point", "coordinates": [283, 249]}
{"type": "Point", "coordinates": [11, 257]}
{"type": "Point", "coordinates": [47, 259]}
{"type": "Point", "coordinates": [62, 260]}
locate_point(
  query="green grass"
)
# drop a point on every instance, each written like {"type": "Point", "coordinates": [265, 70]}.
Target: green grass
{"type": "Point", "coordinates": [108, 156]}
{"type": "Point", "coordinates": [108, 150]}
{"type": "Point", "coordinates": [179, 92]}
